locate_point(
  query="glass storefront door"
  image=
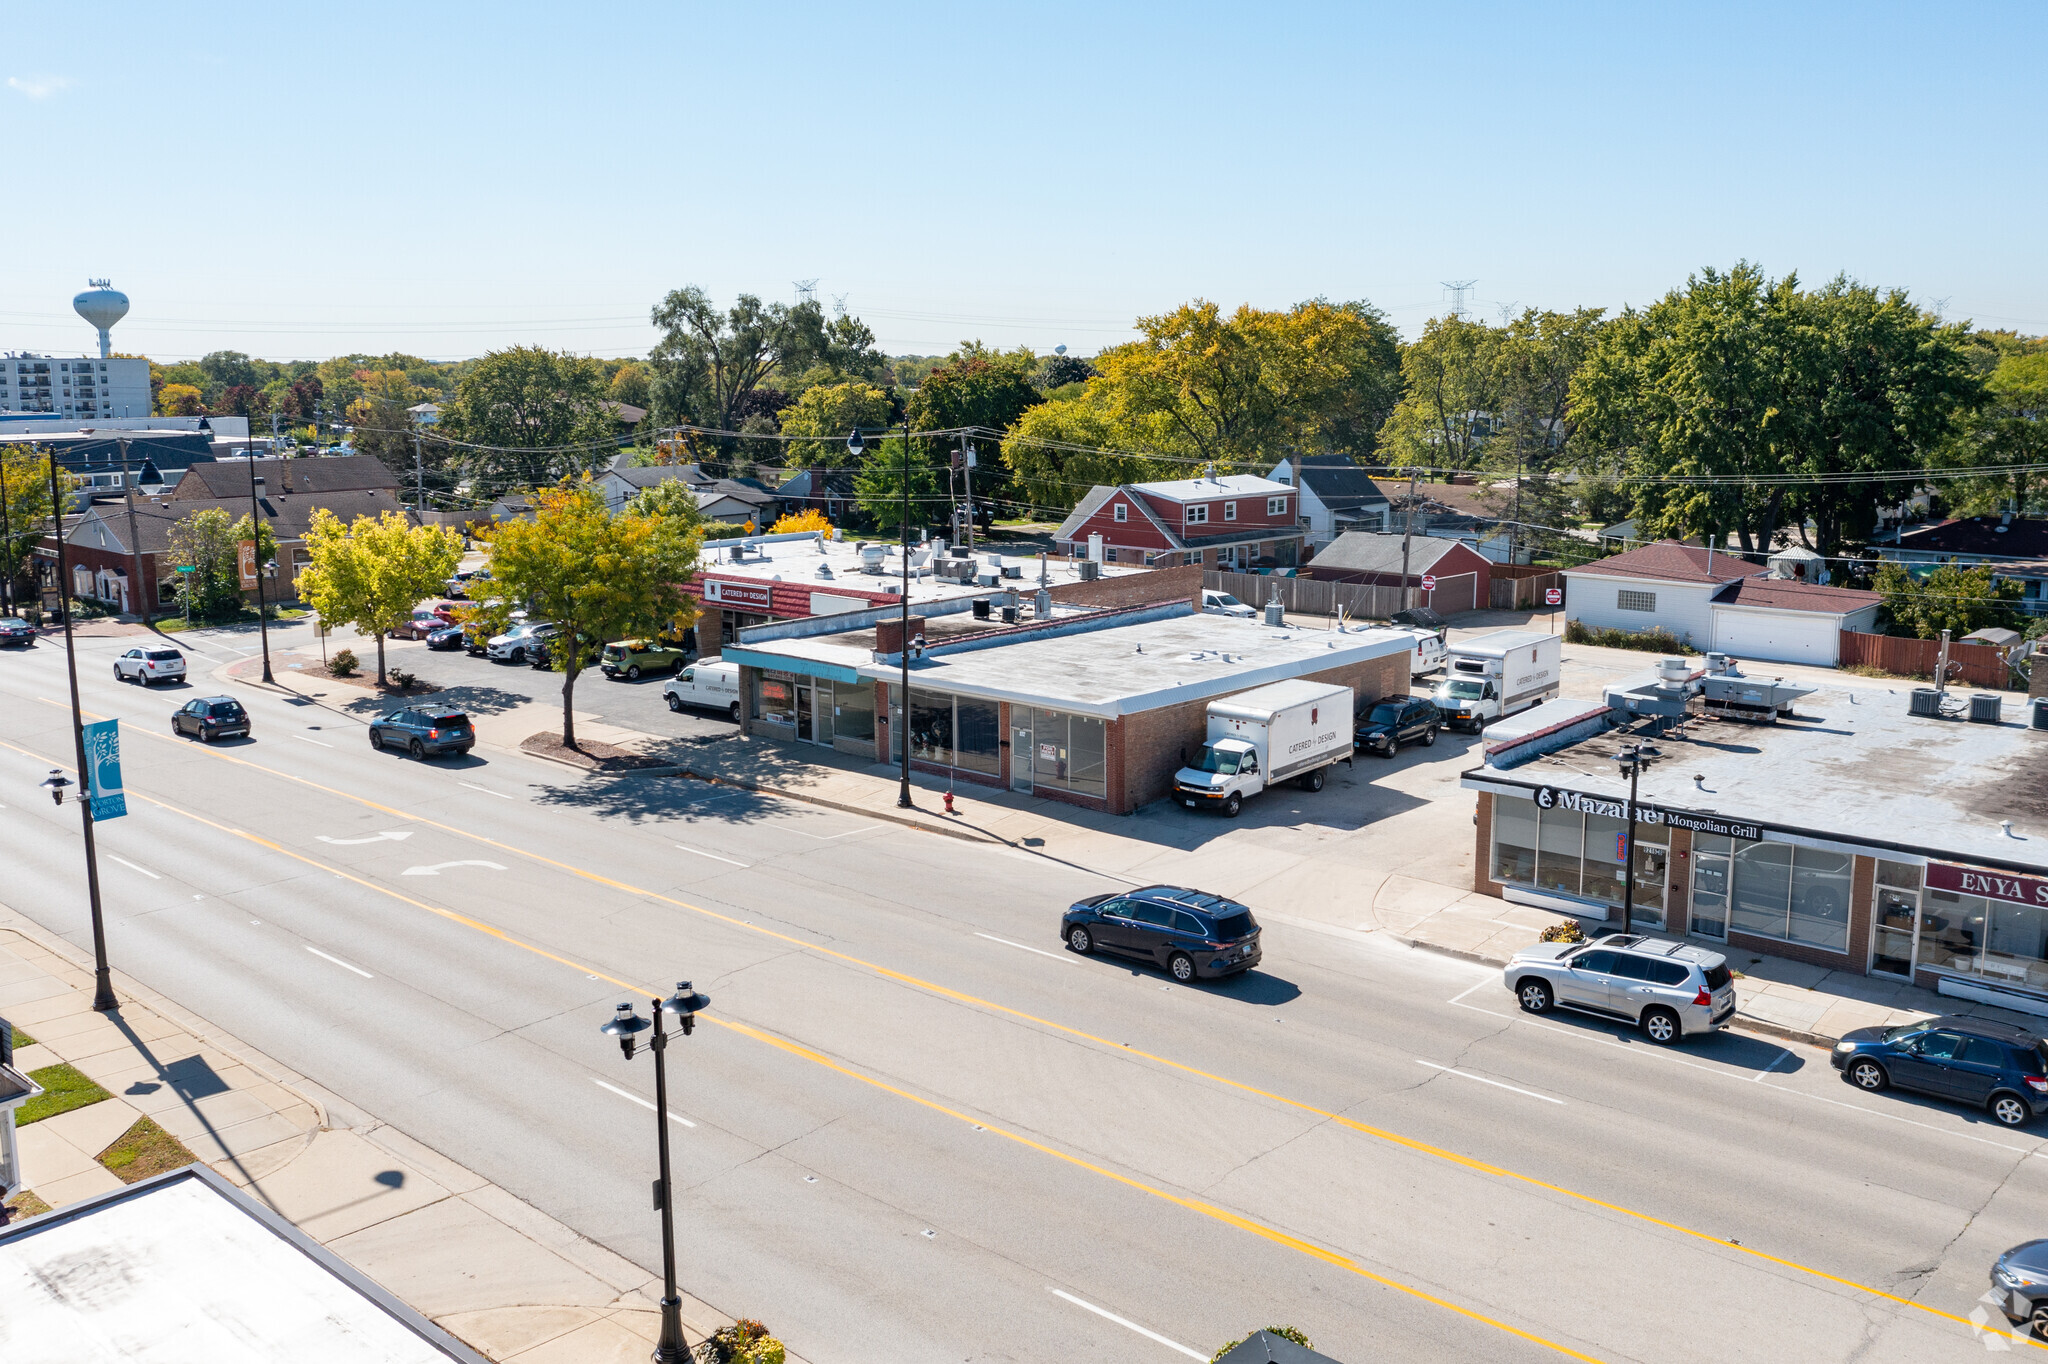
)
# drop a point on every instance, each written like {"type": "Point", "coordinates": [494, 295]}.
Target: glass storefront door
{"type": "Point", "coordinates": [1710, 878]}
{"type": "Point", "coordinates": [1020, 760]}
{"type": "Point", "coordinates": [1898, 919]}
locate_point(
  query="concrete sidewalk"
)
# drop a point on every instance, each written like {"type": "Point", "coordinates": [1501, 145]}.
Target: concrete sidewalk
{"type": "Point", "coordinates": [492, 1270]}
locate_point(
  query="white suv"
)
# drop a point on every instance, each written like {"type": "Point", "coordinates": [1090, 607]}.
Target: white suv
{"type": "Point", "coordinates": [522, 643]}
{"type": "Point", "coordinates": [1668, 989]}
{"type": "Point", "coordinates": [148, 666]}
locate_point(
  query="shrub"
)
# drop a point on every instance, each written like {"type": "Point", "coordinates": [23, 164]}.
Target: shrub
{"type": "Point", "coordinates": [810, 518]}
{"type": "Point", "coordinates": [1284, 1332]}
{"type": "Point", "coordinates": [746, 1342]}
{"type": "Point", "coordinates": [726, 530]}
{"type": "Point", "coordinates": [1658, 641]}
{"type": "Point", "coordinates": [404, 681]}
{"type": "Point", "coordinates": [1567, 931]}
{"type": "Point", "coordinates": [342, 664]}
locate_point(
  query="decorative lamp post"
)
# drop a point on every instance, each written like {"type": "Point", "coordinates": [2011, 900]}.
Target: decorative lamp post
{"type": "Point", "coordinates": [256, 547]}
{"type": "Point", "coordinates": [627, 1026]}
{"type": "Point", "coordinates": [854, 446]}
{"type": "Point", "coordinates": [1632, 759]}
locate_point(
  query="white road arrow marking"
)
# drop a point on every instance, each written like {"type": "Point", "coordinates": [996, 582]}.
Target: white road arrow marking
{"type": "Point", "coordinates": [438, 867]}
{"type": "Point", "coordinates": [395, 835]}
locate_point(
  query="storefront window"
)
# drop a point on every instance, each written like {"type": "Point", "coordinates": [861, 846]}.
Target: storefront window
{"type": "Point", "coordinates": [976, 728]}
{"type": "Point", "coordinates": [2015, 947]}
{"type": "Point", "coordinates": [1067, 752]}
{"type": "Point", "coordinates": [1794, 894]}
{"type": "Point", "coordinates": [1604, 840]}
{"type": "Point", "coordinates": [1763, 889]}
{"type": "Point", "coordinates": [1951, 929]}
{"type": "Point", "coordinates": [775, 701]}
{"type": "Point", "coordinates": [853, 709]}
{"type": "Point", "coordinates": [1557, 852]}
{"type": "Point", "coordinates": [931, 728]}
{"type": "Point", "coordinates": [1514, 841]}
{"type": "Point", "coordinates": [1578, 855]}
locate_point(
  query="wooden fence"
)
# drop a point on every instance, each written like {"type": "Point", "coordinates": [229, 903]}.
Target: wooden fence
{"type": "Point", "coordinates": [1978, 665]}
{"type": "Point", "coordinates": [1362, 601]}
{"type": "Point", "coordinates": [1523, 592]}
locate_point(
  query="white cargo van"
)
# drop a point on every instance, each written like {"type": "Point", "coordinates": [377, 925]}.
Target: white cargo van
{"type": "Point", "coordinates": [1260, 738]}
{"type": "Point", "coordinates": [710, 686]}
{"type": "Point", "coordinates": [1490, 676]}
{"type": "Point", "coordinates": [1428, 656]}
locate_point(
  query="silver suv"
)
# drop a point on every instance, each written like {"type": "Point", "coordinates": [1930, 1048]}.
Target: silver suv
{"type": "Point", "coordinates": [1668, 989]}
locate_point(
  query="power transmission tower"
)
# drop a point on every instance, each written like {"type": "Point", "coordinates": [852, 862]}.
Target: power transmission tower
{"type": "Point", "coordinates": [839, 305]}
{"type": "Point", "coordinates": [806, 291]}
{"type": "Point", "coordinates": [1459, 288]}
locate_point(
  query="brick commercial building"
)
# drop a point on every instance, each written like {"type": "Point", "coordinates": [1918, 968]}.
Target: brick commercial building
{"type": "Point", "coordinates": [1850, 834]}
{"type": "Point", "coordinates": [1096, 707]}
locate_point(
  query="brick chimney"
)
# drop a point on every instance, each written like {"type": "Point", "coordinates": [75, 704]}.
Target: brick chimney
{"type": "Point", "coordinates": [889, 633]}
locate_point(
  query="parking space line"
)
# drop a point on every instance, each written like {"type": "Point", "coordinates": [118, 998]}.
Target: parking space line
{"type": "Point", "coordinates": [1783, 1056]}
{"type": "Point", "coordinates": [1468, 1075]}
{"type": "Point", "coordinates": [1474, 986]}
{"type": "Point", "coordinates": [1056, 956]}
{"type": "Point", "coordinates": [822, 838]}
{"type": "Point", "coordinates": [713, 856]}
{"type": "Point", "coordinates": [644, 1103]}
{"type": "Point", "coordinates": [132, 867]}
{"type": "Point", "coordinates": [339, 962]}
{"type": "Point", "coordinates": [1108, 1315]}
{"type": "Point", "coordinates": [485, 789]}
{"type": "Point", "coordinates": [303, 739]}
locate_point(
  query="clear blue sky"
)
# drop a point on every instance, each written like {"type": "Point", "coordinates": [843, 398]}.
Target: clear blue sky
{"type": "Point", "coordinates": [304, 180]}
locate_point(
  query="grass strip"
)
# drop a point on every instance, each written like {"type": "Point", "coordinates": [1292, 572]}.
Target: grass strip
{"type": "Point", "coordinates": [25, 1204]}
{"type": "Point", "coordinates": [21, 1037]}
{"type": "Point", "coordinates": [144, 1150]}
{"type": "Point", "coordinates": [64, 1088]}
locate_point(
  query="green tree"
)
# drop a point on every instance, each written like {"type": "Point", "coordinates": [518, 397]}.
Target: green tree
{"type": "Point", "coordinates": [529, 409]}
{"type": "Point", "coordinates": [672, 497]}
{"type": "Point", "coordinates": [630, 384]}
{"type": "Point", "coordinates": [879, 486]}
{"type": "Point", "coordinates": [1960, 600]}
{"type": "Point", "coordinates": [179, 400]}
{"type": "Point", "coordinates": [25, 498]}
{"type": "Point", "coordinates": [1452, 379]}
{"type": "Point", "coordinates": [208, 542]}
{"type": "Point", "coordinates": [2006, 436]}
{"type": "Point", "coordinates": [819, 421]}
{"type": "Point", "coordinates": [599, 576]}
{"type": "Point", "coordinates": [373, 573]}
{"type": "Point", "coordinates": [981, 392]}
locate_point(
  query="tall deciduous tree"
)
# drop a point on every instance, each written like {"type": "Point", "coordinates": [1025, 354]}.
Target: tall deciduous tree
{"type": "Point", "coordinates": [530, 408]}
{"type": "Point", "coordinates": [879, 486]}
{"type": "Point", "coordinates": [25, 501]}
{"type": "Point", "coordinates": [2007, 435]}
{"type": "Point", "coordinates": [373, 573]}
{"type": "Point", "coordinates": [981, 391]}
{"type": "Point", "coordinates": [179, 400]}
{"type": "Point", "coordinates": [600, 576]}
{"type": "Point", "coordinates": [820, 420]}
{"type": "Point", "coordinates": [209, 543]}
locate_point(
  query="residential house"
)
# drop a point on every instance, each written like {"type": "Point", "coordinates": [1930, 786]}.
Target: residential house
{"type": "Point", "coordinates": [826, 491]}
{"type": "Point", "coordinates": [1714, 600]}
{"type": "Point", "coordinates": [622, 481]}
{"type": "Point", "coordinates": [737, 500]}
{"type": "Point", "coordinates": [1458, 577]}
{"type": "Point", "coordinates": [321, 474]}
{"type": "Point", "coordinates": [153, 457]}
{"type": "Point", "coordinates": [1236, 521]}
{"type": "Point", "coordinates": [2015, 548]}
{"type": "Point", "coordinates": [1336, 495]}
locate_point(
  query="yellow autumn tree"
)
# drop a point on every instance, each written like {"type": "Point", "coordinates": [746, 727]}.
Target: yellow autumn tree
{"type": "Point", "coordinates": [797, 523]}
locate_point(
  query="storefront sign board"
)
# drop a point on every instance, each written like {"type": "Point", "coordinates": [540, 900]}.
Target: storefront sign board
{"type": "Point", "coordinates": [745, 596]}
{"type": "Point", "coordinates": [1550, 798]}
{"type": "Point", "coordinates": [2006, 886]}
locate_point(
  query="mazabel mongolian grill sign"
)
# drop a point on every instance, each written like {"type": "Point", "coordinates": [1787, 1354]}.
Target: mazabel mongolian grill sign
{"type": "Point", "coordinates": [1991, 885]}
{"type": "Point", "coordinates": [1550, 798]}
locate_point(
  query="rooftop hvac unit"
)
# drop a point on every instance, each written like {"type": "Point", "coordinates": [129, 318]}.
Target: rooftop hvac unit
{"type": "Point", "coordinates": [1090, 570]}
{"type": "Point", "coordinates": [982, 607]}
{"type": "Point", "coordinates": [1673, 669]}
{"type": "Point", "coordinates": [2040, 712]}
{"type": "Point", "coordinates": [1009, 615]}
{"type": "Point", "coordinates": [1925, 701]}
{"type": "Point", "coordinates": [1984, 707]}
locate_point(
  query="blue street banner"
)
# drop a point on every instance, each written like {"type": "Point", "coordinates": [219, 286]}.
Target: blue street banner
{"type": "Point", "coordinates": [103, 770]}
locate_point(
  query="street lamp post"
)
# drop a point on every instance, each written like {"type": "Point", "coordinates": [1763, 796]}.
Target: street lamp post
{"type": "Point", "coordinates": [1632, 760]}
{"type": "Point", "coordinates": [626, 1025]}
{"type": "Point", "coordinates": [256, 548]}
{"type": "Point", "coordinates": [103, 982]}
{"type": "Point", "coordinates": [854, 446]}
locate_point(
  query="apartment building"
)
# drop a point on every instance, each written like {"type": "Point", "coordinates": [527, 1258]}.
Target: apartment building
{"type": "Point", "coordinates": [79, 387]}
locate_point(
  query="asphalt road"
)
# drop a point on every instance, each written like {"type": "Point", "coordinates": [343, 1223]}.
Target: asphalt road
{"type": "Point", "coordinates": [915, 1129]}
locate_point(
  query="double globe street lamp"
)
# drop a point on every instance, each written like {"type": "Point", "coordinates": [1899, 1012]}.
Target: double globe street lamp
{"type": "Point", "coordinates": [627, 1026]}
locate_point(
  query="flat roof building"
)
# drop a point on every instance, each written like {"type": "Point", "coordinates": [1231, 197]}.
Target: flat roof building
{"type": "Point", "coordinates": [1851, 834]}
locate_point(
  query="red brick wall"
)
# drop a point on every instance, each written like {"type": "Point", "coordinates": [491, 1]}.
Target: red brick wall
{"type": "Point", "coordinates": [1133, 589]}
{"type": "Point", "coordinates": [1792, 951]}
{"type": "Point", "coordinates": [1482, 843]}
{"type": "Point", "coordinates": [1862, 911]}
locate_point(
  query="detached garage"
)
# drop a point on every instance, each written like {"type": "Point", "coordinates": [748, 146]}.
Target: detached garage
{"type": "Point", "coordinates": [1713, 600]}
{"type": "Point", "coordinates": [1447, 576]}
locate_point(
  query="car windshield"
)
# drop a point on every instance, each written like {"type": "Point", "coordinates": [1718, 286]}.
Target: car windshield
{"type": "Point", "coordinates": [1224, 599]}
{"type": "Point", "coordinates": [1904, 1031]}
{"type": "Point", "coordinates": [1385, 714]}
{"type": "Point", "coordinates": [1214, 760]}
{"type": "Point", "coordinates": [1465, 691]}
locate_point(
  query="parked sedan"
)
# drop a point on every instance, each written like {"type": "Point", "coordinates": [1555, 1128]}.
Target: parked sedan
{"type": "Point", "coordinates": [1397, 721]}
{"type": "Point", "coordinates": [14, 630]}
{"type": "Point", "coordinates": [447, 637]}
{"type": "Point", "coordinates": [425, 620]}
{"type": "Point", "coordinates": [210, 718]}
{"type": "Point", "coordinates": [423, 731]}
{"type": "Point", "coordinates": [149, 666]}
{"type": "Point", "coordinates": [1193, 934]}
{"type": "Point", "coordinates": [2020, 1279]}
{"type": "Point", "coordinates": [1993, 1066]}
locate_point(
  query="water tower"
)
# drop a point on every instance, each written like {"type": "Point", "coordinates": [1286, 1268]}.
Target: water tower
{"type": "Point", "coordinates": [102, 306]}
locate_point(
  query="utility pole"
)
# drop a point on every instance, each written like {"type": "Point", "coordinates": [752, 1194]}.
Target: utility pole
{"type": "Point", "coordinates": [6, 545]}
{"type": "Point", "coordinates": [903, 801]}
{"type": "Point", "coordinates": [967, 474]}
{"type": "Point", "coordinates": [419, 476]}
{"type": "Point", "coordinates": [1407, 533]}
{"type": "Point", "coordinates": [139, 602]}
{"type": "Point", "coordinates": [256, 557]}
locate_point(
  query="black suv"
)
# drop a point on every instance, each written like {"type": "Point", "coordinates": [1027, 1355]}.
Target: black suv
{"type": "Point", "coordinates": [1993, 1066]}
{"type": "Point", "coordinates": [1190, 932]}
{"type": "Point", "coordinates": [1398, 720]}
{"type": "Point", "coordinates": [424, 730]}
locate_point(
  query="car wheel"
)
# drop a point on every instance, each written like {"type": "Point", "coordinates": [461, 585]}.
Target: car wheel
{"type": "Point", "coordinates": [1429, 736]}
{"type": "Point", "coordinates": [376, 741]}
{"type": "Point", "coordinates": [633, 673]}
{"type": "Point", "coordinates": [119, 676]}
{"type": "Point", "coordinates": [1535, 996]}
{"type": "Point", "coordinates": [1869, 1076]}
{"type": "Point", "coordinates": [674, 702]}
{"type": "Point", "coordinates": [734, 711]}
{"type": "Point", "coordinates": [1661, 1026]}
{"type": "Point", "coordinates": [1313, 781]}
{"type": "Point", "coordinates": [1182, 966]}
{"type": "Point", "coordinates": [517, 656]}
{"type": "Point", "coordinates": [1080, 940]}
{"type": "Point", "coordinates": [1232, 803]}
{"type": "Point", "coordinates": [205, 735]}
{"type": "Point", "coordinates": [2010, 1110]}
{"type": "Point", "coordinates": [2038, 1320]}
{"type": "Point", "coordinates": [418, 750]}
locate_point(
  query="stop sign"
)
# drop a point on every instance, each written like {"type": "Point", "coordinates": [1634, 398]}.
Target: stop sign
{"type": "Point", "coordinates": [1429, 582]}
{"type": "Point", "coordinates": [1552, 596]}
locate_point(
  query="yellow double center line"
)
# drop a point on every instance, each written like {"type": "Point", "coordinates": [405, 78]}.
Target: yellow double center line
{"type": "Point", "coordinates": [975, 1001]}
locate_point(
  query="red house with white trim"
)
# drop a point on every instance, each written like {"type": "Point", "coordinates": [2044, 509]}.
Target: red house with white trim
{"type": "Point", "coordinates": [1228, 522]}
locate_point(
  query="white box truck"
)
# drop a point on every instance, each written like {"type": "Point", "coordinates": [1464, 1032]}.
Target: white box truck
{"type": "Point", "coordinates": [1289, 731]}
{"type": "Point", "coordinates": [1490, 676]}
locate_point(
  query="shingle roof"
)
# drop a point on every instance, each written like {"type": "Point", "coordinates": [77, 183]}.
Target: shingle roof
{"type": "Point", "coordinates": [1668, 561]}
{"type": "Point", "coordinates": [1337, 481]}
{"type": "Point", "coordinates": [2025, 538]}
{"type": "Point", "coordinates": [1091, 503]}
{"type": "Point", "coordinates": [1787, 594]}
{"type": "Point", "coordinates": [1365, 551]}
{"type": "Point", "coordinates": [287, 516]}
{"type": "Point", "coordinates": [311, 474]}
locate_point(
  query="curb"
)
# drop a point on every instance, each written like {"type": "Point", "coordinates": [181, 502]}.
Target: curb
{"type": "Point", "coordinates": [961, 832]}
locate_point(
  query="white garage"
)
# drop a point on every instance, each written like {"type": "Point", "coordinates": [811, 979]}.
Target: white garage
{"type": "Point", "coordinates": [1779, 636]}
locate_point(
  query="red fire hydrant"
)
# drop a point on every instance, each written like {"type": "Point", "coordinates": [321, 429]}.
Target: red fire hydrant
{"type": "Point", "coordinates": [949, 800]}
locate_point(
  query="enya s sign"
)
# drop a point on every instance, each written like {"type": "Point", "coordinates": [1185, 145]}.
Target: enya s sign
{"type": "Point", "coordinates": [1992, 885]}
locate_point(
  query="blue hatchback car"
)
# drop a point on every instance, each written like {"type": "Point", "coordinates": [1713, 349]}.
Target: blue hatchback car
{"type": "Point", "coordinates": [1993, 1066]}
{"type": "Point", "coordinates": [1193, 934]}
